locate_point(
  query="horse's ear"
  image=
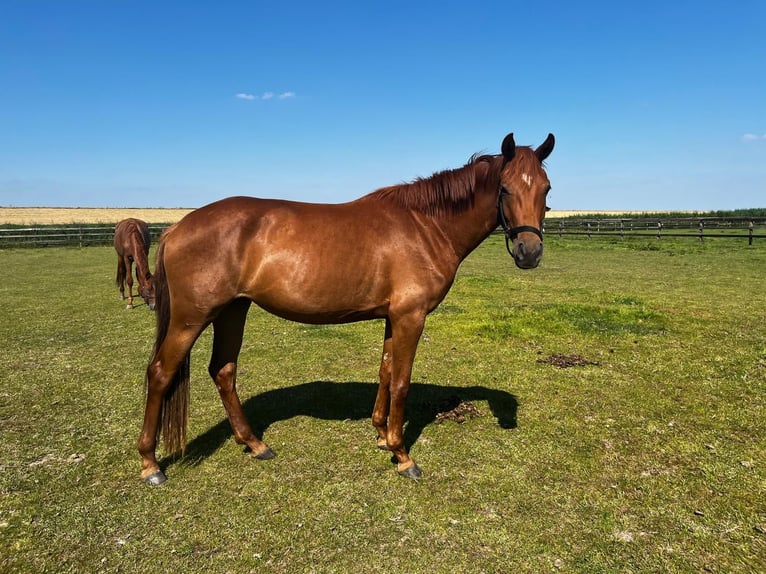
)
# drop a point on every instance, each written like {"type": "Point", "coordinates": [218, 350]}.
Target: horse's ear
{"type": "Point", "coordinates": [545, 148]}
{"type": "Point", "coordinates": [508, 148]}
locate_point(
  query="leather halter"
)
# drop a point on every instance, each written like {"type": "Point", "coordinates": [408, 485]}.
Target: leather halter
{"type": "Point", "coordinates": [511, 233]}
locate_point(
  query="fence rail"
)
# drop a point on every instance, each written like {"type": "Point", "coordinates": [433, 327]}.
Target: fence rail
{"type": "Point", "coordinates": [69, 235]}
{"type": "Point", "coordinates": [700, 228]}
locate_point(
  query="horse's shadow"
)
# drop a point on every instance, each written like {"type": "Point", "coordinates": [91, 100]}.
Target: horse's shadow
{"type": "Point", "coordinates": [350, 401]}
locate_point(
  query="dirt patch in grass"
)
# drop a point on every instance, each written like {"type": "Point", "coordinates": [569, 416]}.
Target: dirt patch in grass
{"type": "Point", "coordinates": [451, 408]}
{"type": "Point", "coordinates": [566, 361]}
{"type": "Point", "coordinates": [455, 409]}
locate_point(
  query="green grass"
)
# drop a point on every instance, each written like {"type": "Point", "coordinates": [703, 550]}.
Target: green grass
{"type": "Point", "coordinates": [653, 459]}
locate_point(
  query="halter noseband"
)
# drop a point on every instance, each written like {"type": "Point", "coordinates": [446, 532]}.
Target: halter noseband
{"type": "Point", "coordinates": [511, 233]}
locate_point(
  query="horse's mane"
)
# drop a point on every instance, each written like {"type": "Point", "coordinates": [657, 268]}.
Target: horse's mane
{"type": "Point", "coordinates": [448, 191]}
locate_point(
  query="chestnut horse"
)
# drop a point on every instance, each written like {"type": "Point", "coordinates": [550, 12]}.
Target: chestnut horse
{"type": "Point", "coordinates": [132, 241]}
{"type": "Point", "coordinates": [392, 255]}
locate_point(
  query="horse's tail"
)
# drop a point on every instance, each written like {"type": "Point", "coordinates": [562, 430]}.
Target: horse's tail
{"type": "Point", "coordinates": [175, 404]}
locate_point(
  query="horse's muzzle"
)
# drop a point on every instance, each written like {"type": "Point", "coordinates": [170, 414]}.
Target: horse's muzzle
{"type": "Point", "coordinates": [527, 254]}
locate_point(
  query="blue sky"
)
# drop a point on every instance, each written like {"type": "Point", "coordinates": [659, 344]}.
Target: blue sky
{"type": "Point", "coordinates": [655, 105]}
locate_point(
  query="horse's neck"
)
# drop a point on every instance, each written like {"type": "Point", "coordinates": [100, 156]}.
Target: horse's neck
{"type": "Point", "coordinates": [467, 229]}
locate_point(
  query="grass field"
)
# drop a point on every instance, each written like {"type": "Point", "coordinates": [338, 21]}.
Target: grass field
{"type": "Point", "coordinates": [647, 453]}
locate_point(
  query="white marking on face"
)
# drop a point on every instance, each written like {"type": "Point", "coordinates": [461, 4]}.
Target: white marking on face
{"type": "Point", "coordinates": [526, 178]}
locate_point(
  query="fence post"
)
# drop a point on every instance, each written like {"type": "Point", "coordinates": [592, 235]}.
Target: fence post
{"type": "Point", "coordinates": [750, 233]}
{"type": "Point", "coordinates": [701, 230]}
{"type": "Point", "coordinates": [622, 230]}
{"type": "Point", "coordinates": [659, 230]}
{"type": "Point", "coordinates": [561, 228]}
{"type": "Point", "coordinates": [589, 230]}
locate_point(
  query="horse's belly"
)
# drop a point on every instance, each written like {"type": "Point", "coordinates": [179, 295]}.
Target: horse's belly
{"type": "Point", "coordinates": [320, 314]}
{"type": "Point", "coordinates": [320, 297]}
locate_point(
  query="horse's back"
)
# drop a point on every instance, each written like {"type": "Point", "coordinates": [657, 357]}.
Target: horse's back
{"type": "Point", "coordinates": [126, 228]}
{"type": "Point", "coordinates": [248, 223]}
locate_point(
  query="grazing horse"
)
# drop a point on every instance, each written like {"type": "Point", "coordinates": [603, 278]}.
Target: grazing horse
{"type": "Point", "coordinates": [391, 255]}
{"type": "Point", "coordinates": [131, 241]}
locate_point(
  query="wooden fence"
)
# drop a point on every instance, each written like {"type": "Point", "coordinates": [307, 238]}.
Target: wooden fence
{"type": "Point", "coordinates": [69, 235]}
{"type": "Point", "coordinates": [699, 228]}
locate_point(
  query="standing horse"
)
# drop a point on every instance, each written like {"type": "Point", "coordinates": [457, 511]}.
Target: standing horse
{"type": "Point", "coordinates": [131, 241]}
{"type": "Point", "coordinates": [392, 255]}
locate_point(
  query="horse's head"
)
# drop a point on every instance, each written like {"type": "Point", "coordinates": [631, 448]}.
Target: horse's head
{"type": "Point", "coordinates": [521, 199]}
{"type": "Point", "coordinates": [146, 290]}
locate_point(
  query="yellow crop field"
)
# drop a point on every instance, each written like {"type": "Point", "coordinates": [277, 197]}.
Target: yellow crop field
{"type": "Point", "coordinates": [66, 215]}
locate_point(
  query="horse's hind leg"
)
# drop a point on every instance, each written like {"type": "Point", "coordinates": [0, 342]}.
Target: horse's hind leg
{"type": "Point", "coordinates": [121, 276]}
{"type": "Point", "coordinates": [168, 367]}
{"type": "Point", "coordinates": [129, 280]}
{"type": "Point", "coordinates": [228, 329]}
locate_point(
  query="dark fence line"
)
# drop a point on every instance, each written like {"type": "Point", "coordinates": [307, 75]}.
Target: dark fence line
{"type": "Point", "coordinates": [69, 235]}
{"type": "Point", "coordinates": [701, 228]}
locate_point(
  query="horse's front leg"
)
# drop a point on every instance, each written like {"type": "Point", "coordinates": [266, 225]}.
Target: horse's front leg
{"type": "Point", "coordinates": [406, 333]}
{"type": "Point", "coordinates": [383, 399]}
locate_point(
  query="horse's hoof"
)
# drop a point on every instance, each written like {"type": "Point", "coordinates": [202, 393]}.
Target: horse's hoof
{"type": "Point", "coordinates": [382, 445]}
{"type": "Point", "coordinates": [155, 479]}
{"type": "Point", "coordinates": [128, 306]}
{"type": "Point", "coordinates": [265, 455]}
{"type": "Point", "coordinates": [413, 471]}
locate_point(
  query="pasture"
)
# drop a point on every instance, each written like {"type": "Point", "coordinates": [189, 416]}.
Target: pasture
{"type": "Point", "coordinates": [612, 408]}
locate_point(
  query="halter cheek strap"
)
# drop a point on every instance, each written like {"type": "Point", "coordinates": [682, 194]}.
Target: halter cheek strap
{"type": "Point", "coordinates": [511, 233]}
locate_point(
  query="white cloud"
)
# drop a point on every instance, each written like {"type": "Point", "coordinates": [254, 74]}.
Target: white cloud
{"type": "Point", "coordinates": [753, 138]}
{"type": "Point", "coordinates": [265, 96]}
